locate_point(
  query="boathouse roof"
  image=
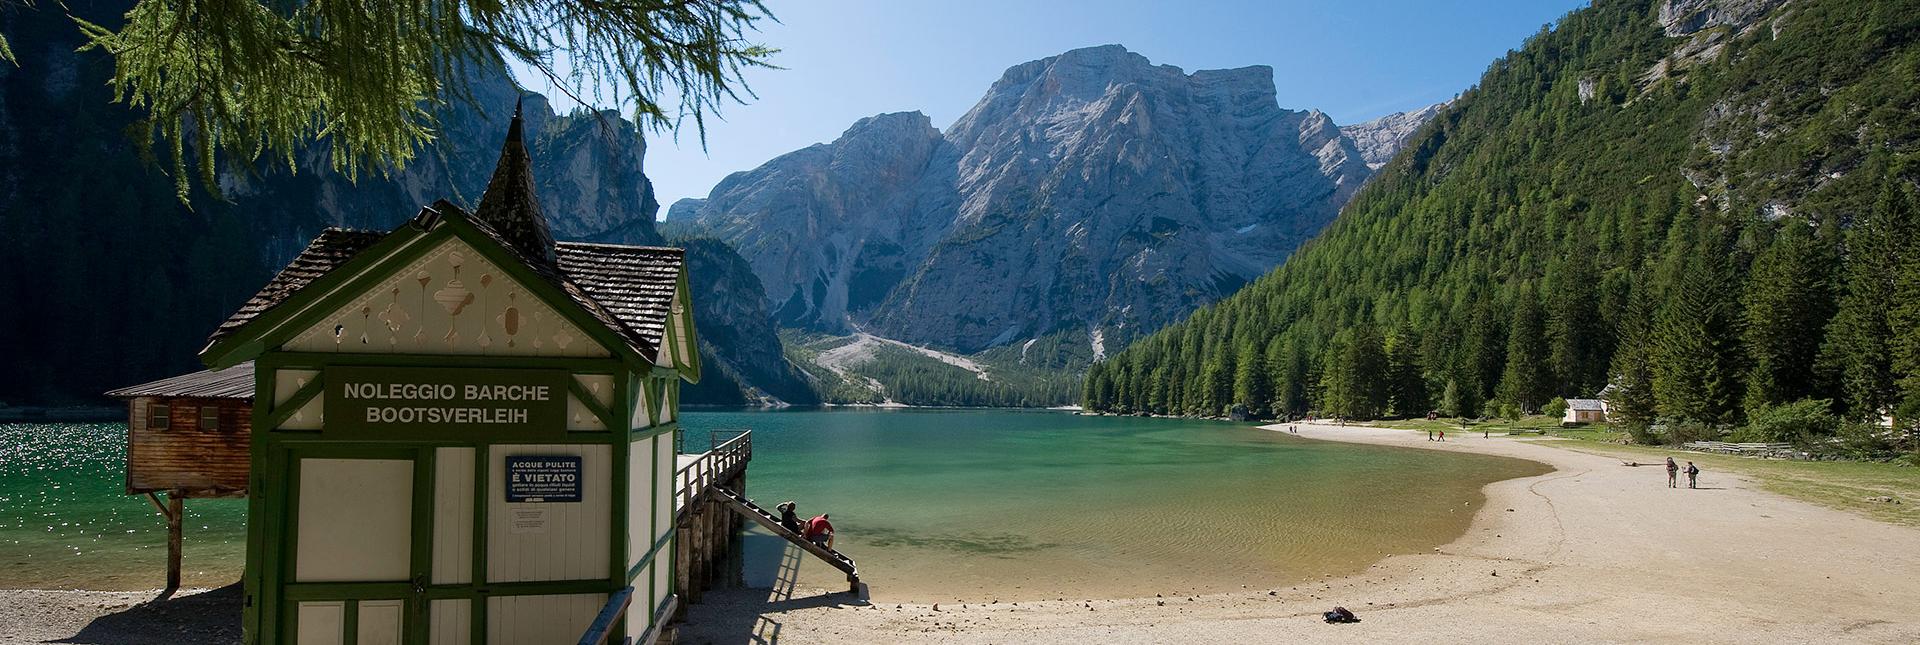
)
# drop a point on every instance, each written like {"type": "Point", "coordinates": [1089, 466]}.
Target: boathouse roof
{"type": "Point", "coordinates": [1585, 405]}
{"type": "Point", "coordinates": [627, 289]}
{"type": "Point", "coordinates": [231, 383]}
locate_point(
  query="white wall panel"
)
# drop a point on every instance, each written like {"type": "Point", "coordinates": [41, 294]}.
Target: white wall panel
{"type": "Point", "coordinates": [321, 623]}
{"type": "Point", "coordinates": [663, 504]}
{"type": "Point", "coordinates": [574, 545]}
{"type": "Point", "coordinates": [514, 620]}
{"type": "Point", "coordinates": [639, 502]}
{"type": "Point", "coordinates": [380, 622]}
{"type": "Point", "coordinates": [355, 521]}
{"type": "Point", "coordinates": [450, 622]}
{"type": "Point", "coordinates": [453, 516]}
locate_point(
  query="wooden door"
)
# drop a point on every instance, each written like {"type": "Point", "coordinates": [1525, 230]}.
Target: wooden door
{"type": "Point", "coordinates": [355, 575]}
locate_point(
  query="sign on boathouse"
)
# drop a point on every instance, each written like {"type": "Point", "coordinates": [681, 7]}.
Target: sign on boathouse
{"type": "Point", "coordinates": [383, 400]}
{"type": "Point", "coordinates": [463, 431]}
{"type": "Point", "coordinates": [543, 479]}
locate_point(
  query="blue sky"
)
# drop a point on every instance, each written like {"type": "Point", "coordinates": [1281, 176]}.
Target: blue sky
{"type": "Point", "coordinates": [848, 59]}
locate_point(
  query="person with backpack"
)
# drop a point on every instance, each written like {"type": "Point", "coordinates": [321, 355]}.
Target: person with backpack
{"type": "Point", "coordinates": [1693, 475]}
{"type": "Point", "coordinates": [1673, 474]}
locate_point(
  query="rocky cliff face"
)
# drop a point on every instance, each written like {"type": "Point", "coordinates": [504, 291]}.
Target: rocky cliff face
{"type": "Point", "coordinates": [831, 228]}
{"type": "Point", "coordinates": [1092, 193]}
{"type": "Point", "coordinates": [1378, 140]}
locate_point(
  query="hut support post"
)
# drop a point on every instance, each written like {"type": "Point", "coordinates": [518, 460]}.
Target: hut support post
{"type": "Point", "coordinates": [174, 510]}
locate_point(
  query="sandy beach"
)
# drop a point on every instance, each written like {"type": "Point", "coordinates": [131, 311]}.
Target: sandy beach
{"type": "Point", "coordinates": [1592, 552]}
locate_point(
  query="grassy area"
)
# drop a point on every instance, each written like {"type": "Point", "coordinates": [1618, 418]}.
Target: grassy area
{"type": "Point", "coordinates": [1845, 485]}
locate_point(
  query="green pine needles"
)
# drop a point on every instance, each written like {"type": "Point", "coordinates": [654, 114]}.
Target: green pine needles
{"type": "Point", "coordinates": [233, 81]}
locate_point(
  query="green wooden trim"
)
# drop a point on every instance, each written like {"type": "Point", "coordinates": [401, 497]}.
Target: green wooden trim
{"type": "Point", "coordinates": [656, 399]}
{"type": "Point", "coordinates": [620, 522]}
{"type": "Point", "coordinates": [477, 542]}
{"type": "Point", "coordinates": [396, 250]}
{"type": "Point", "coordinates": [328, 591]}
{"type": "Point", "coordinates": [648, 433]}
{"type": "Point", "coordinates": [691, 369]}
{"type": "Point", "coordinates": [663, 542]}
{"type": "Point", "coordinates": [260, 516]}
{"type": "Point", "coordinates": [301, 397]}
{"type": "Point", "coordinates": [425, 471]}
{"type": "Point", "coordinates": [288, 543]}
{"type": "Point", "coordinates": [350, 622]}
{"type": "Point", "coordinates": [653, 512]}
{"type": "Point", "coordinates": [482, 471]}
{"type": "Point", "coordinates": [593, 405]}
{"type": "Point", "coordinates": [318, 360]}
{"type": "Point", "coordinates": [331, 591]}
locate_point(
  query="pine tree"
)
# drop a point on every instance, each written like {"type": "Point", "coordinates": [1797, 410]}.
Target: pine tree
{"type": "Point", "coordinates": [1695, 348]}
{"type": "Point", "coordinates": [1354, 379]}
{"type": "Point", "coordinates": [1526, 382]}
{"type": "Point", "coordinates": [1788, 300]}
{"type": "Point", "coordinates": [1859, 344]}
{"type": "Point", "coordinates": [1575, 328]}
{"type": "Point", "coordinates": [1250, 385]}
{"type": "Point", "coordinates": [1406, 379]}
{"type": "Point", "coordinates": [1902, 219]}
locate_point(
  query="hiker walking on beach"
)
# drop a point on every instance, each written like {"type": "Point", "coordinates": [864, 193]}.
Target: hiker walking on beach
{"type": "Point", "coordinates": [820, 532]}
{"type": "Point", "coordinates": [1673, 474]}
{"type": "Point", "coordinates": [1429, 434]}
{"type": "Point", "coordinates": [1443, 435]}
{"type": "Point", "coordinates": [789, 520]}
{"type": "Point", "coordinates": [1693, 475]}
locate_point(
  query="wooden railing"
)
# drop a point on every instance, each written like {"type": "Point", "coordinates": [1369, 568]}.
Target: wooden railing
{"type": "Point", "coordinates": [1777, 450]}
{"type": "Point", "coordinates": [602, 627]}
{"type": "Point", "coordinates": [730, 450]}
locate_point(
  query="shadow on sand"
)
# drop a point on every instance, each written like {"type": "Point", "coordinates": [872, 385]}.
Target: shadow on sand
{"type": "Point", "coordinates": [768, 576]}
{"type": "Point", "coordinates": [211, 617]}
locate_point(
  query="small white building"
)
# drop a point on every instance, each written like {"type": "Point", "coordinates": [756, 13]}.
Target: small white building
{"type": "Point", "coordinates": [1585, 411]}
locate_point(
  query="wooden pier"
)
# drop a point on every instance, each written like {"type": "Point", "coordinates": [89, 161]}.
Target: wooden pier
{"type": "Point", "coordinates": [711, 506]}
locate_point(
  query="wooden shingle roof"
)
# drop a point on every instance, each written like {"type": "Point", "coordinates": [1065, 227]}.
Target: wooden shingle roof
{"type": "Point", "coordinates": [332, 248]}
{"type": "Point", "coordinates": [635, 283]}
{"type": "Point", "coordinates": [231, 383]}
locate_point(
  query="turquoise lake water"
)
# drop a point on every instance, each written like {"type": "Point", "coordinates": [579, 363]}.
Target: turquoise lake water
{"type": "Point", "coordinates": [935, 504]}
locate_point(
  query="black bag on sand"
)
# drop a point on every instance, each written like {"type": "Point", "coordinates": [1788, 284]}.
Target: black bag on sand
{"type": "Point", "coordinates": [1341, 615]}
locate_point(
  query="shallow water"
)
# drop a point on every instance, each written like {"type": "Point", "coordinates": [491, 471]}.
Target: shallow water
{"type": "Point", "coordinates": [935, 504]}
{"type": "Point", "coordinates": [982, 505]}
{"type": "Point", "coordinates": [67, 522]}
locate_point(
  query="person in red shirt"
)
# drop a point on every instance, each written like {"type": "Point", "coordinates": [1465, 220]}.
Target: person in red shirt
{"type": "Point", "coordinates": [820, 531]}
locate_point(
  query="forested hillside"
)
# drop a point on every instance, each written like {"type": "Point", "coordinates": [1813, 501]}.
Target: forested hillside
{"type": "Point", "coordinates": [1708, 204]}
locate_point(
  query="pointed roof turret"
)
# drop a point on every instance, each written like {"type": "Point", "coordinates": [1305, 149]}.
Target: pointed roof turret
{"type": "Point", "coordinates": [509, 205]}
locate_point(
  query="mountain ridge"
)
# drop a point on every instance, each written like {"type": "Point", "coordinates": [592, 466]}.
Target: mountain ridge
{"type": "Point", "coordinates": [1101, 136]}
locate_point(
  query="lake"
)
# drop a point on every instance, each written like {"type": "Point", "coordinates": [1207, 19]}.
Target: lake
{"type": "Point", "coordinates": [935, 504]}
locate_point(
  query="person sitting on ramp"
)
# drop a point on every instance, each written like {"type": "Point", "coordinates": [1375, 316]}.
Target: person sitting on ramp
{"type": "Point", "coordinates": [820, 532]}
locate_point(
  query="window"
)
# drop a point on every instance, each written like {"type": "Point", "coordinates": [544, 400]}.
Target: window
{"type": "Point", "coordinates": [157, 416]}
{"type": "Point", "coordinates": [209, 417]}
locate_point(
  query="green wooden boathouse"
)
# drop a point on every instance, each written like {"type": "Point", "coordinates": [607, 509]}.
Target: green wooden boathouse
{"type": "Point", "coordinates": [463, 432]}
